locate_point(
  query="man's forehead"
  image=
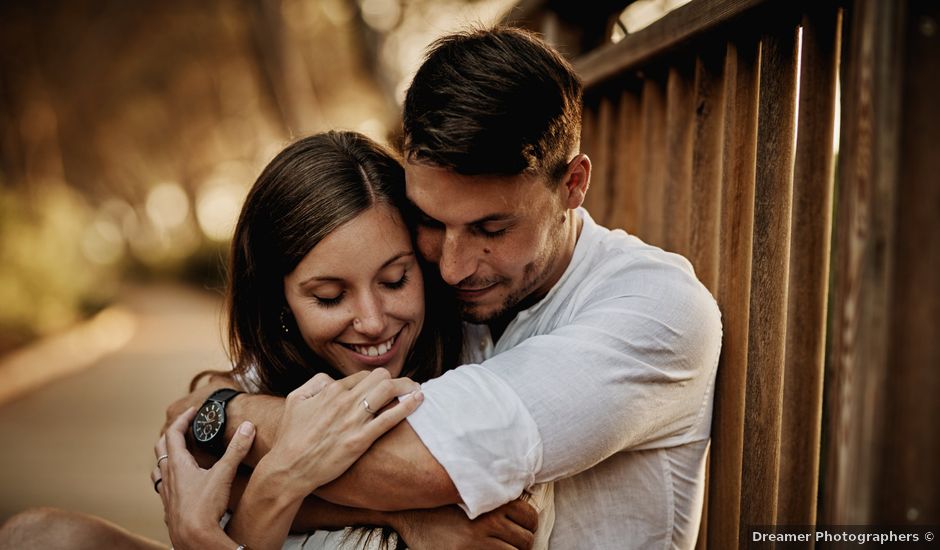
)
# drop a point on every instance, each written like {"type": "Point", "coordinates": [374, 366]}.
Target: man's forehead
{"type": "Point", "coordinates": [440, 192]}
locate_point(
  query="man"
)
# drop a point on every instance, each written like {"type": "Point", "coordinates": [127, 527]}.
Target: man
{"type": "Point", "coordinates": [592, 356]}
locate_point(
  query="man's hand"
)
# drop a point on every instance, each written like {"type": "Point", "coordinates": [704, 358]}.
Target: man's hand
{"type": "Point", "coordinates": [197, 398]}
{"type": "Point", "coordinates": [511, 525]}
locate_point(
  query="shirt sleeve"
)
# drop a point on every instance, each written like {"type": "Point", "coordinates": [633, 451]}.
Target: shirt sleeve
{"type": "Point", "coordinates": [628, 370]}
{"type": "Point", "coordinates": [479, 430]}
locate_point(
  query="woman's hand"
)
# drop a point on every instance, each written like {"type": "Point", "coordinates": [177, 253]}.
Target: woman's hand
{"type": "Point", "coordinates": [511, 525]}
{"type": "Point", "coordinates": [327, 425]}
{"type": "Point", "coordinates": [194, 499]}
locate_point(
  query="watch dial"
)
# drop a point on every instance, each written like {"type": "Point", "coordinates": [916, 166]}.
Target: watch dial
{"type": "Point", "coordinates": [208, 421]}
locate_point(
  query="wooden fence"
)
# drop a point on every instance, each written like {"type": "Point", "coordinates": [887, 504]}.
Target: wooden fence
{"type": "Point", "coordinates": [712, 134]}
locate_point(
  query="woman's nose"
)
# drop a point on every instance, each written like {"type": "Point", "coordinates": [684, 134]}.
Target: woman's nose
{"type": "Point", "coordinates": [370, 319]}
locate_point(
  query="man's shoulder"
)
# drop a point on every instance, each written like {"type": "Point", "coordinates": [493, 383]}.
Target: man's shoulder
{"type": "Point", "coordinates": [621, 273]}
{"type": "Point", "coordinates": [614, 256]}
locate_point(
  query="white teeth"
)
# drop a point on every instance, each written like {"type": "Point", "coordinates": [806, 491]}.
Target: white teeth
{"type": "Point", "coordinates": [375, 351]}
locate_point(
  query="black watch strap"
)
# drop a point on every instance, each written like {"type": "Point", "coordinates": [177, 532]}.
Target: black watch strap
{"type": "Point", "coordinates": [224, 395]}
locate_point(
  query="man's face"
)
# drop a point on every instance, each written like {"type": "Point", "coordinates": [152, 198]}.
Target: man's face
{"type": "Point", "coordinates": [496, 239]}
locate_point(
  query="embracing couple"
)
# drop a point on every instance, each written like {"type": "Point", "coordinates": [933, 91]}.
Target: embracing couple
{"type": "Point", "coordinates": [468, 359]}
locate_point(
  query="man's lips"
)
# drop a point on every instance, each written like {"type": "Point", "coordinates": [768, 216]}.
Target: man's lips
{"type": "Point", "coordinates": [473, 294]}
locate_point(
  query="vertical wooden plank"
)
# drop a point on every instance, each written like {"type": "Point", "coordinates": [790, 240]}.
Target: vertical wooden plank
{"type": "Point", "coordinates": [627, 162]}
{"type": "Point", "coordinates": [767, 319]}
{"type": "Point", "coordinates": [909, 482]}
{"type": "Point", "coordinates": [737, 206]}
{"type": "Point", "coordinates": [857, 371]}
{"type": "Point", "coordinates": [598, 201]}
{"type": "Point", "coordinates": [705, 192]}
{"type": "Point", "coordinates": [677, 191]}
{"type": "Point", "coordinates": [589, 140]}
{"type": "Point", "coordinates": [651, 225]}
{"type": "Point", "coordinates": [809, 269]}
{"type": "Point", "coordinates": [707, 166]}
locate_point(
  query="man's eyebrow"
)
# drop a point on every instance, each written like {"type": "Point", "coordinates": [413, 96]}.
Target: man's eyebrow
{"type": "Point", "coordinates": [497, 217]}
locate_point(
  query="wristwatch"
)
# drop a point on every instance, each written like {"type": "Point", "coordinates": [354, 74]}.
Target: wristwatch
{"type": "Point", "coordinates": [209, 423]}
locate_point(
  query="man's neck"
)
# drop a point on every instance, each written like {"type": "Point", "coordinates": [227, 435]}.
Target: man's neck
{"type": "Point", "coordinates": [572, 230]}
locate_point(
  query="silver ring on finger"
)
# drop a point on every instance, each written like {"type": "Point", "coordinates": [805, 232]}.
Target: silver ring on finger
{"type": "Point", "coordinates": [161, 459]}
{"type": "Point", "coordinates": [365, 405]}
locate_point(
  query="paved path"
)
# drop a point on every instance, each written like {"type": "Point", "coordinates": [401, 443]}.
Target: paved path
{"type": "Point", "coordinates": [84, 442]}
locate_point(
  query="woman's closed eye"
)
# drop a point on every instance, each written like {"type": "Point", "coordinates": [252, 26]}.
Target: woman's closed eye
{"type": "Point", "coordinates": [329, 301]}
{"type": "Point", "coordinates": [397, 284]}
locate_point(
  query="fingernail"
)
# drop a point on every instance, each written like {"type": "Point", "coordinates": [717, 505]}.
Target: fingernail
{"type": "Point", "coordinates": [418, 395]}
{"type": "Point", "coordinates": [247, 428]}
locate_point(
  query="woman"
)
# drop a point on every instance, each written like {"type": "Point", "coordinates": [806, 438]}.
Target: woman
{"type": "Point", "coordinates": [324, 283]}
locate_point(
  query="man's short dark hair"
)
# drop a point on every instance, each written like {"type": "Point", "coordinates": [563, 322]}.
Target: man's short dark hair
{"type": "Point", "coordinates": [493, 102]}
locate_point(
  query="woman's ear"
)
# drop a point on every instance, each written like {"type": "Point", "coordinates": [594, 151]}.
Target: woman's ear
{"type": "Point", "coordinates": [576, 181]}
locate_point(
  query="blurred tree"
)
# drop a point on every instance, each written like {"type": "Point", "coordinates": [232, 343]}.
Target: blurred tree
{"type": "Point", "coordinates": [131, 131]}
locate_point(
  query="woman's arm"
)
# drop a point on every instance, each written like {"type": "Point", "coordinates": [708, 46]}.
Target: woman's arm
{"type": "Point", "coordinates": [396, 473]}
{"type": "Point", "coordinates": [324, 428]}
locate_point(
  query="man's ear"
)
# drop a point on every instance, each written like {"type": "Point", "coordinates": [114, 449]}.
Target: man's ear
{"type": "Point", "coordinates": [577, 179]}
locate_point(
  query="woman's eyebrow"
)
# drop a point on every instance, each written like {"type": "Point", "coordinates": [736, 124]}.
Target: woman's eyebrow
{"type": "Point", "coordinates": [328, 279]}
{"type": "Point", "coordinates": [316, 279]}
{"type": "Point", "coordinates": [397, 257]}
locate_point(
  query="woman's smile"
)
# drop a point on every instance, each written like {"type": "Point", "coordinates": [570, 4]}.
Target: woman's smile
{"type": "Point", "coordinates": [374, 355]}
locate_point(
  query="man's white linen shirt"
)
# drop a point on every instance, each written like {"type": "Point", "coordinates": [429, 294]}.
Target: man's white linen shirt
{"type": "Point", "coordinates": [605, 387]}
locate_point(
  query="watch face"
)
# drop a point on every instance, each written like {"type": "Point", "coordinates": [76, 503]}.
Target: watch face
{"type": "Point", "coordinates": [208, 421]}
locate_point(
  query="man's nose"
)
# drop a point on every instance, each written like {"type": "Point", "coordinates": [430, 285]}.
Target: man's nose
{"type": "Point", "coordinates": [457, 260]}
{"type": "Point", "coordinates": [370, 318]}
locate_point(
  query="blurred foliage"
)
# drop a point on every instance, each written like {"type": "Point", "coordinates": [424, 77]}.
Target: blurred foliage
{"type": "Point", "coordinates": [130, 132]}
{"type": "Point", "coordinates": [46, 282]}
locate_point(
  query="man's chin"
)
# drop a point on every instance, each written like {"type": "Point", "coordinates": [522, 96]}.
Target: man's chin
{"type": "Point", "coordinates": [481, 314]}
{"type": "Point", "coordinates": [478, 314]}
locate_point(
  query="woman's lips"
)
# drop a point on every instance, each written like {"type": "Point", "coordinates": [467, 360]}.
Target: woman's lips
{"type": "Point", "coordinates": [384, 351]}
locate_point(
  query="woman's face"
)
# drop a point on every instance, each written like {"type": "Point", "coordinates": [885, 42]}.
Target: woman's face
{"type": "Point", "coordinates": [358, 295]}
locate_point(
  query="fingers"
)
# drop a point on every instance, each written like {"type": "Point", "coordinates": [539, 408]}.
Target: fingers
{"type": "Point", "coordinates": [390, 418]}
{"type": "Point", "coordinates": [379, 392]}
{"type": "Point", "coordinates": [159, 448]}
{"type": "Point", "coordinates": [514, 523]}
{"type": "Point", "coordinates": [155, 476]}
{"type": "Point", "coordinates": [312, 387]}
{"type": "Point", "coordinates": [493, 543]}
{"type": "Point", "coordinates": [236, 452]}
{"type": "Point", "coordinates": [522, 513]}
{"type": "Point", "coordinates": [176, 439]}
{"type": "Point", "coordinates": [353, 379]}
{"type": "Point", "coordinates": [514, 535]}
